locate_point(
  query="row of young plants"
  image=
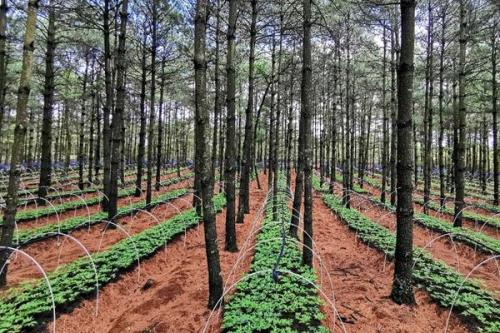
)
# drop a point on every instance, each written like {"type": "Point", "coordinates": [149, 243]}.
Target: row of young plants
{"type": "Point", "coordinates": [24, 237]}
{"type": "Point", "coordinates": [268, 301]}
{"type": "Point", "coordinates": [474, 190]}
{"type": "Point", "coordinates": [444, 285]}
{"type": "Point", "coordinates": [477, 240]}
{"type": "Point", "coordinates": [23, 308]}
{"type": "Point", "coordinates": [28, 215]}
{"type": "Point", "coordinates": [492, 221]}
{"type": "Point", "coordinates": [73, 193]}
{"type": "Point", "coordinates": [475, 217]}
{"type": "Point", "coordinates": [32, 189]}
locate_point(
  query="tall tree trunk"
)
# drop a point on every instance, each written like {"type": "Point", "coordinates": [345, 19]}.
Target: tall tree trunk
{"type": "Point", "coordinates": [82, 123]}
{"type": "Point", "coordinates": [9, 217]}
{"type": "Point", "coordinates": [394, 127]}
{"type": "Point", "coordinates": [106, 132]}
{"type": "Point", "coordinates": [248, 144]}
{"type": "Point", "coordinates": [230, 158]}
{"type": "Point", "coordinates": [92, 128]}
{"type": "Point", "coordinates": [402, 288]}
{"type": "Point", "coordinates": [48, 101]}
{"type": "Point", "coordinates": [346, 193]}
{"type": "Point", "coordinates": [276, 137]}
{"type": "Point", "coordinates": [117, 126]}
{"type": "Point", "coordinates": [215, 283]}
{"type": "Point", "coordinates": [333, 162]}
{"type": "Point", "coordinates": [442, 189]}
{"type": "Point", "coordinates": [142, 131]}
{"type": "Point", "coordinates": [494, 111]}
{"type": "Point", "coordinates": [385, 124]}
{"type": "Point", "coordinates": [151, 133]}
{"type": "Point", "coordinates": [429, 88]}
{"type": "Point", "coordinates": [97, 159]}
{"type": "Point", "coordinates": [217, 98]}
{"type": "Point", "coordinates": [307, 254]}
{"type": "Point", "coordinates": [160, 127]}
{"type": "Point", "coordinates": [461, 127]}
{"type": "Point", "coordinates": [3, 59]}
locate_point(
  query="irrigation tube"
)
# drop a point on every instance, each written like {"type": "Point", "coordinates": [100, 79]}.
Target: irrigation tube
{"type": "Point", "coordinates": [45, 277]}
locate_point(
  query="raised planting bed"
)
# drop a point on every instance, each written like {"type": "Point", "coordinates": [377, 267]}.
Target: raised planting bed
{"type": "Point", "coordinates": [28, 236]}
{"type": "Point", "coordinates": [261, 304]}
{"type": "Point", "coordinates": [492, 221]}
{"type": "Point", "coordinates": [444, 285]}
{"type": "Point", "coordinates": [22, 309]}
{"type": "Point", "coordinates": [71, 205]}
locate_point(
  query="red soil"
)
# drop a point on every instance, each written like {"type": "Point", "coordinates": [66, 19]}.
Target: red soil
{"type": "Point", "coordinates": [177, 298]}
{"type": "Point", "coordinates": [89, 210]}
{"type": "Point", "coordinates": [53, 252]}
{"type": "Point", "coordinates": [458, 255]}
{"type": "Point", "coordinates": [362, 280]}
{"type": "Point", "coordinates": [86, 196]}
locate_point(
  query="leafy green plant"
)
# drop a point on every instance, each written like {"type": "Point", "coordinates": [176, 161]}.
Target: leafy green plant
{"type": "Point", "coordinates": [443, 283]}
{"type": "Point", "coordinates": [262, 305]}
{"type": "Point", "coordinates": [21, 309]}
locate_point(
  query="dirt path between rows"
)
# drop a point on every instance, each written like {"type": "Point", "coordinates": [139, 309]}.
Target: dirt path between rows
{"type": "Point", "coordinates": [53, 252]}
{"type": "Point", "coordinates": [90, 210]}
{"type": "Point", "coordinates": [475, 226]}
{"type": "Point", "coordinates": [362, 282]}
{"type": "Point", "coordinates": [460, 256]}
{"type": "Point", "coordinates": [176, 300]}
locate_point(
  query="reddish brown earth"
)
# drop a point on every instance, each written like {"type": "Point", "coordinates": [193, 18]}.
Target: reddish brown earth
{"type": "Point", "coordinates": [362, 281]}
{"type": "Point", "coordinates": [53, 252]}
{"type": "Point", "coordinates": [89, 210]}
{"type": "Point", "coordinates": [478, 227]}
{"type": "Point", "coordinates": [86, 196]}
{"type": "Point", "coordinates": [176, 301]}
{"type": "Point", "coordinates": [458, 255]}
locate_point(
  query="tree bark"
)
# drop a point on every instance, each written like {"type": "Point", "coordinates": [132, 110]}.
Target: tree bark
{"type": "Point", "coordinates": [9, 217]}
{"type": "Point", "coordinates": [402, 288]}
{"type": "Point", "coordinates": [48, 101]}
{"type": "Point", "coordinates": [461, 127]}
{"type": "Point", "coordinates": [215, 283]}
{"type": "Point", "coordinates": [154, 41]}
{"type": "Point", "coordinates": [106, 136]}
{"type": "Point", "coordinates": [442, 189]}
{"type": "Point", "coordinates": [160, 127]}
{"type": "Point", "coordinates": [429, 89]}
{"type": "Point", "coordinates": [247, 160]}
{"type": "Point", "coordinates": [230, 157]}
{"type": "Point", "coordinates": [3, 59]}
{"type": "Point", "coordinates": [142, 131]}
{"type": "Point", "coordinates": [116, 134]}
{"type": "Point", "coordinates": [495, 114]}
{"type": "Point", "coordinates": [82, 123]}
{"type": "Point", "coordinates": [307, 254]}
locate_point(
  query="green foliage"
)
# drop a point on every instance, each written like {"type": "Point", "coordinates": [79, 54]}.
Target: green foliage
{"type": "Point", "coordinates": [26, 236]}
{"type": "Point", "coordinates": [444, 285]}
{"type": "Point", "coordinates": [76, 204]}
{"type": "Point", "coordinates": [262, 305]}
{"type": "Point", "coordinates": [22, 308]}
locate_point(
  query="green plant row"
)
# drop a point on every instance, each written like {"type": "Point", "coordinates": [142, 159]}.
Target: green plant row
{"type": "Point", "coordinates": [76, 204]}
{"type": "Point", "coordinates": [444, 285]}
{"type": "Point", "coordinates": [65, 180]}
{"type": "Point", "coordinates": [72, 193]}
{"type": "Point", "coordinates": [24, 307]}
{"type": "Point", "coordinates": [484, 205]}
{"type": "Point", "coordinates": [262, 305]}
{"type": "Point", "coordinates": [475, 217]}
{"type": "Point", "coordinates": [27, 236]}
{"type": "Point", "coordinates": [478, 240]}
